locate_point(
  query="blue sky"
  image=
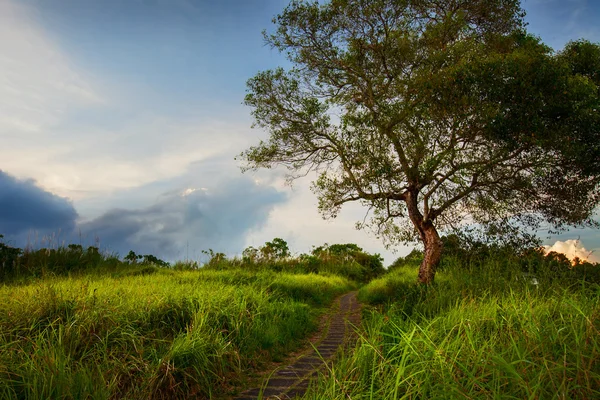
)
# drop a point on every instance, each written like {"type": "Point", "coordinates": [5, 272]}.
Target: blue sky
{"type": "Point", "coordinates": [124, 116]}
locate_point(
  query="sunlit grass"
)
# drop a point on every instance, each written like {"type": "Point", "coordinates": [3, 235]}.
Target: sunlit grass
{"type": "Point", "coordinates": [146, 332]}
{"type": "Point", "coordinates": [483, 332]}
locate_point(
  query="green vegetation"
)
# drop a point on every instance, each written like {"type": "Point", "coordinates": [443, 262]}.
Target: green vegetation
{"type": "Point", "coordinates": [77, 324]}
{"type": "Point", "coordinates": [501, 320]}
{"type": "Point", "coordinates": [19, 264]}
{"type": "Point", "coordinates": [346, 260]}
{"type": "Point", "coordinates": [497, 323]}
{"type": "Point", "coordinates": [430, 113]}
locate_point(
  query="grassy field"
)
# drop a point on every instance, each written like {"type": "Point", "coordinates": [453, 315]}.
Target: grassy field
{"type": "Point", "coordinates": [142, 332]}
{"type": "Point", "coordinates": [496, 324]}
{"type": "Point", "coordinates": [483, 330]}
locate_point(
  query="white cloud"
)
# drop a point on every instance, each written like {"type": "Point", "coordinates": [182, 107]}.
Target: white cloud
{"type": "Point", "coordinates": [299, 223]}
{"type": "Point", "coordinates": [38, 87]}
{"type": "Point", "coordinates": [38, 82]}
{"type": "Point", "coordinates": [141, 151]}
{"type": "Point", "coordinates": [48, 135]}
{"type": "Point", "coordinates": [189, 191]}
{"type": "Point", "coordinates": [572, 248]}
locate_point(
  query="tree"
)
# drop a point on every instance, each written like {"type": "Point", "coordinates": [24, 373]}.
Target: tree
{"type": "Point", "coordinates": [346, 249]}
{"type": "Point", "coordinates": [276, 250]}
{"type": "Point", "coordinates": [373, 263]}
{"type": "Point", "coordinates": [431, 114]}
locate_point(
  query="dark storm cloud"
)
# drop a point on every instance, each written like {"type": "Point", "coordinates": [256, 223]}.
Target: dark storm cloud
{"type": "Point", "coordinates": [216, 218]}
{"type": "Point", "coordinates": [26, 207]}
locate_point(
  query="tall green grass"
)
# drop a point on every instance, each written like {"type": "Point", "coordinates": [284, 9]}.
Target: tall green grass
{"type": "Point", "coordinates": [145, 332]}
{"type": "Point", "coordinates": [483, 330]}
{"type": "Point", "coordinates": [18, 265]}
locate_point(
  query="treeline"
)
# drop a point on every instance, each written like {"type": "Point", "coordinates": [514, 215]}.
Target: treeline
{"type": "Point", "coordinates": [347, 260]}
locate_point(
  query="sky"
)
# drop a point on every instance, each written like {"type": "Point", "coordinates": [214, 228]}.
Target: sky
{"type": "Point", "coordinates": [120, 121]}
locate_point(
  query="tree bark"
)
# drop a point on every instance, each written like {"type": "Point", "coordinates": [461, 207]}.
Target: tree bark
{"type": "Point", "coordinates": [432, 254]}
{"type": "Point", "coordinates": [429, 236]}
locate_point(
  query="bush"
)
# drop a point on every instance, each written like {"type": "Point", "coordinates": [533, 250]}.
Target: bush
{"type": "Point", "coordinates": [348, 253]}
{"type": "Point", "coordinates": [9, 259]}
{"type": "Point", "coordinates": [16, 263]}
{"type": "Point", "coordinates": [346, 260]}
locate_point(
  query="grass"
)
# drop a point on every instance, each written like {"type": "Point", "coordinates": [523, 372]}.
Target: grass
{"type": "Point", "coordinates": [76, 324]}
{"type": "Point", "coordinates": [483, 330]}
{"type": "Point", "coordinates": [146, 332]}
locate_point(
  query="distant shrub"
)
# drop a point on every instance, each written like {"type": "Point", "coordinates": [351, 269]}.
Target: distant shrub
{"type": "Point", "coordinates": [277, 249]}
{"type": "Point", "coordinates": [187, 265]}
{"type": "Point", "coordinates": [346, 260]}
{"type": "Point", "coordinates": [216, 260]}
{"type": "Point", "coordinates": [348, 253]}
{"type": "Point", "coordinates": [414, 258]}
{"type": "Point", "coordinates": [9, 258]}
{"type": "Point", "coordinates": [62, 260]}
{"type": "Point", "coordinates": [16, 263]}
{"type": "Point", "coordinates": [147, 259]}
{"type": "Point", "coordinates": [516, 259]}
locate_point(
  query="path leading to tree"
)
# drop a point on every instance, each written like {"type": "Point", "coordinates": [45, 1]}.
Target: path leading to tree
{"type": "Point", "coordinates": [292, 379]}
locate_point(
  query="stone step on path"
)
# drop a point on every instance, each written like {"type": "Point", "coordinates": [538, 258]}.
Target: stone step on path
{"type": "Point", "coordinates": [291, 381]}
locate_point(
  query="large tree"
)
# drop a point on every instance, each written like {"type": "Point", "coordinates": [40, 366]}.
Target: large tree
{"type": "Point", "coordinates": [433, 114]}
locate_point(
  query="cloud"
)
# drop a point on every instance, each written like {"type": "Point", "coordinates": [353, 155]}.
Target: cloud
{"type": "Point", "coordinates": [39, 88]}
{"type": "Point", "coordinates": [26, 207]}
{"type": "Point", "coordinates": [192, 214]}
{"type": "Point", "coordinates": [81, 132]}
{"type": "Point", "coordinates": [299, 223]}
{"type": "Point", "coordinates": [572, 248]}
{"type": "Point", "coordinates": [84, 132]}
{"type": "Point", "coordinates": [177, 226]}
{"type": "Point", "coordinates": [38, 82]}
{"type": "Point", "coordinates": [142, 150]}
{"type": "Point", "coordinates": [296, 219]}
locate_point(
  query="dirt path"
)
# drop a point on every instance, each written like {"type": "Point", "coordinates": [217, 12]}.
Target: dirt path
{"type": "Point", "coordinates": [292, 380]}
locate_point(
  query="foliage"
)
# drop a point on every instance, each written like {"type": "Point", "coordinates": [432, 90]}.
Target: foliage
{"type": "Point", "coordinates": [373, 263]}
{"type": "Point", "coordinates": [147, 259]}
{"type": "Point", "coordinates": [216, 260]}
{"type": "Point", "coordinates": [414, 258]}
{"type": "Point", "coordinates": [348, 260]}
{"type": "Point", "coordinates": [485, 266]}
{"type": "Point", "coordinates": [484, 329]}
{"type": "Point", "coordinates": [187, 265]}
{"type": "Point", "coordinates": [250, 254]}
{"type": "Point", "coordinates": [430, 113]}
{"type": "Point", "coordinates": [18, 263]}
{"type": "Point", "coordinates": [9, 258]}
{"type": "Point", "coordinates": [337, 249]}
{"type": "Point", "coordinates": [277, 249]}
{"type": "Point", "coordinates": [473, 256]}
{"type": "Point", "coordinates": [143, 332]}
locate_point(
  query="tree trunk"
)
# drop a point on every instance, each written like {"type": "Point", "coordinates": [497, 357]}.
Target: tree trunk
{"type": "Point", "coordinates": [431, 240]}
{"type": "Point", "coordinates": [432, 254]}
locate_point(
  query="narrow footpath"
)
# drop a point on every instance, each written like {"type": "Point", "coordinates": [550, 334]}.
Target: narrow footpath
{"type": "Point", "coordinates": [292, 380]}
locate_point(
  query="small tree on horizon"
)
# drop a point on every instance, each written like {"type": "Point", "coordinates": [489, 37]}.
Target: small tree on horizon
{"type": "Point", "coordinates": [277, 249]}
{"type": "Point", "coordinates": [431, 113]}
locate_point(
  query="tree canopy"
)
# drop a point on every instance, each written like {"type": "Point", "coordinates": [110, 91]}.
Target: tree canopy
{"type": "Point", "coordinates": [432, 114]}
